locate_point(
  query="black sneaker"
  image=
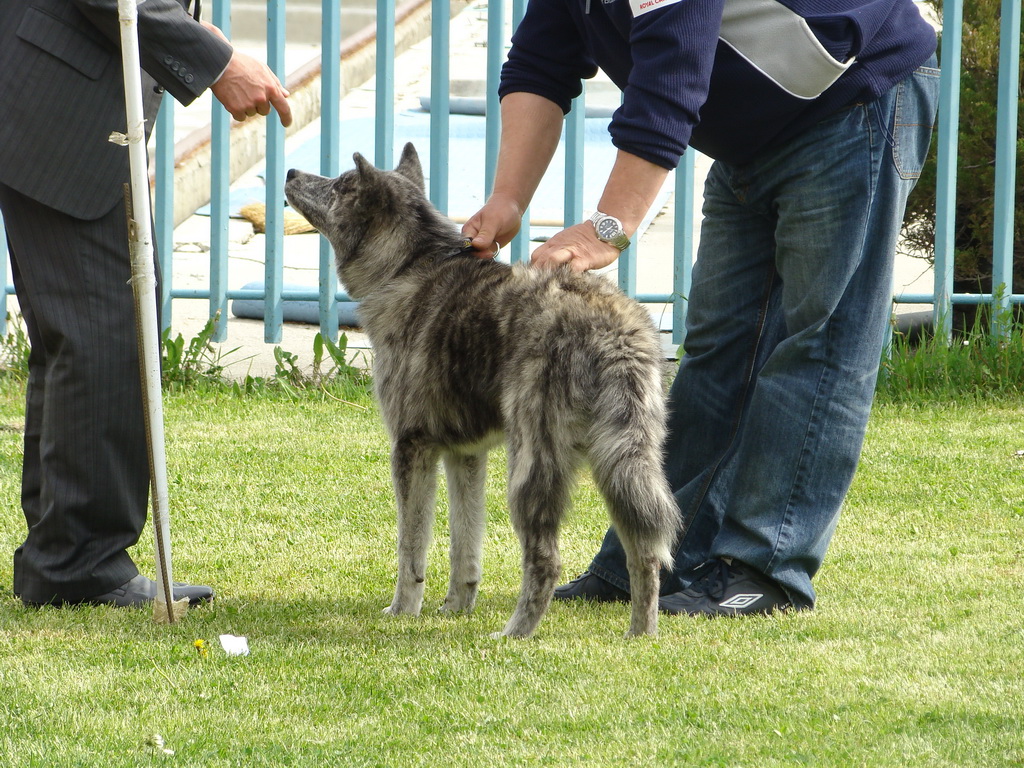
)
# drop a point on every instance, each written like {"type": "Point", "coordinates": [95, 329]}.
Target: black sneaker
{"type": "Point", "coordinates": [726, 588]}
{"type": "Point", "coordinates": [587, 586]}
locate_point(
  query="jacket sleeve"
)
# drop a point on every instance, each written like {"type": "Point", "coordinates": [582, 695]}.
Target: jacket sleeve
{"type": "Point", "coordinates": [660, 54]}
{"type": "Point", "coordinates": [179, 53]}
{"type": "Point", "coordinates": [548, 56]}
{"type": "Point", "coordinates": [673, 53]}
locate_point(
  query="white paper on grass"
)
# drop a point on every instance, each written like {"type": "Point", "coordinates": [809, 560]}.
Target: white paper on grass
{"type": "Point", "coordinates": [234, 645]}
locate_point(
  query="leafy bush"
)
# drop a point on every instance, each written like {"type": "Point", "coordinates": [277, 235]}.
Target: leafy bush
{"type": "Point", "coordinates": [975, 163]}
{"type": "Point", "coordinates": [977, 365]}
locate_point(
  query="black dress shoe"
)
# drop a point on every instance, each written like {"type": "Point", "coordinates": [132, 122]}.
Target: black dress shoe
{"type": "Point", "coordinates": [587, 586]}
{"type": "Point", "coordinates": [139, 592]}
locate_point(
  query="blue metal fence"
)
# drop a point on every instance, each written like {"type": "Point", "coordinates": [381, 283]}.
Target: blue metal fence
{"type": "Point", "coordinates": [942, 297]}
{"type": "Point", "coordinates": [328, 295]}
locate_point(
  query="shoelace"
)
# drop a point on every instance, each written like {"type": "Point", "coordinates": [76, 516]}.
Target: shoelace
{"type": "Point", "coordinates": [712, 579]}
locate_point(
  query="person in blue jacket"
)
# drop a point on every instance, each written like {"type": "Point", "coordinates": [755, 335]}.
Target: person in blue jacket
{"type": "Point", "coordinates": [818, 115]}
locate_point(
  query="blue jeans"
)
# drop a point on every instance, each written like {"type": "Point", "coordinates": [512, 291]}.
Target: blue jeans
{"type": "Point", "coordinates": [792, 293]}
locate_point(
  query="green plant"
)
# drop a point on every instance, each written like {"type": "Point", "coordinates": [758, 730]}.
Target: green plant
{"type": "Point", "coordinates": [198, 361]}
{"type": "Point", "coordinates": [14, 349]}
{"type": "Point", "coordinates": [287, 372]}
{"type": "Point", "coordinates": [324, 348]}
{"type": "Point", "coordinates": [975, 364]}
{"type": "Point", "coordinates": [975, 196]}
{"type": "Point", "coordinates": [330, 373]}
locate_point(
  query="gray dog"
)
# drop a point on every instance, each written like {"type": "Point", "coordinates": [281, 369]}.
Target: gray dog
{"type": "Point", "coordinates": [468, 352]}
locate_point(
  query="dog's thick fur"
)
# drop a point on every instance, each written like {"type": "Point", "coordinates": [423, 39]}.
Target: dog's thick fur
{"type": "Point", "coordinates": [468, 351]}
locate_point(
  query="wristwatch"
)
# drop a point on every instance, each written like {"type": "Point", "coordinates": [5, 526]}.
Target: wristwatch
{"type": "Point", "coordinates": [609, 230]}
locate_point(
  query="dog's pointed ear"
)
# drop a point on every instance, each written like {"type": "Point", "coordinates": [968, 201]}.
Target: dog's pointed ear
{"type": "Point", "coordinates": [369, 178]}
{"type": "Point", "coordinates": [371, 189]}
{"type": "Point", "coordinates": [409, 166]}
{"type": "Point", "coordinates": [364, 166]}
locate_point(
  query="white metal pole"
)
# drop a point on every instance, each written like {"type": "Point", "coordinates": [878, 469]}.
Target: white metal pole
{"type": "Point", "coordinates": [144, 284]}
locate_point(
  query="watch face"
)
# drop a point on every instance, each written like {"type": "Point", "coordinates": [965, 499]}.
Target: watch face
{"type": "Point", "coordinates": [608, 228]}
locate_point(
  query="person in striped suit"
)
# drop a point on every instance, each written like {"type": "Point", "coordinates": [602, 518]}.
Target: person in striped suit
{"type": "Point", "coordinates": [85, 475]}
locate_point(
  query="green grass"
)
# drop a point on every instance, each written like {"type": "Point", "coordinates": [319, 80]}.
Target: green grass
{"type": "Point", "coordinates": [914, 657]}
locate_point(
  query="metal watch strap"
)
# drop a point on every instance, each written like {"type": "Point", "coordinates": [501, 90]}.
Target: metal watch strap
{"type": "Point", "coordinates": [620, 241]}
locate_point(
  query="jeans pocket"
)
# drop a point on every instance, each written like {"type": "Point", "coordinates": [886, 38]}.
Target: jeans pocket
{"type": "Point", "coordinates": [914, 115]}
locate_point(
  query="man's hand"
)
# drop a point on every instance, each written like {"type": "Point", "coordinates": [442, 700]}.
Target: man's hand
{"type": "Point", "coordinates": [530, 128]}
{"type": "Point", "coordinates": [248, 88]}
{"type": "Point", "coordinates": [631, 189]}
{"type": "Point", "coordinates": [493, 226]}
{"type": "Point", "coordinates": [577, 247]}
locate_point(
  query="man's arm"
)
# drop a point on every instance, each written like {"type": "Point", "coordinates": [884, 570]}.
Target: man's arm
{"type": "Point", "coordinates": [530, 129]}
{"type": "Point", "coordinates": [187, 57]}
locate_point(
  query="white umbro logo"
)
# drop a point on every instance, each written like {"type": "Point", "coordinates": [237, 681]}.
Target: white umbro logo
{"type": "Point", "coordinates": [741, 600]}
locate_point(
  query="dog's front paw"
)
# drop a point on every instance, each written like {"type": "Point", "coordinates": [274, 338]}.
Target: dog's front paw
{"type": "Point", "coordinates": [505, 635]}
{"type": "Point", "coordinates": [632, 634]}
{"type": "Point", "coordinates": [510, 631]}
{"type": "Point", "coordinates": [461, 597]}
{"type": "Point", "coordinates": [397, 610]}
{"type": "Point", "coordinates": [457, 605]}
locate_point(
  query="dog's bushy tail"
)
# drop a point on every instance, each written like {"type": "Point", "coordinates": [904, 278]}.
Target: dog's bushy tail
{"type": "Point", "coordinates": [626, 453]}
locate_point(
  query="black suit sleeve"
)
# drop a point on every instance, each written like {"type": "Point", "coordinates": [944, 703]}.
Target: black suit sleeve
{"type": "Point", "coordinates": [176, 50]}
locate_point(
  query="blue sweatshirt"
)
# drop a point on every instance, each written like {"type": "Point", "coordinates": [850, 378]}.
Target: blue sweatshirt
{"type": "Point", "coordinates": [729, 77]}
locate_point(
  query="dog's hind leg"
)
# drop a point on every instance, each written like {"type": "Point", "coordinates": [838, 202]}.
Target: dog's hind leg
{"type": "Point", "coordinates": [414, 474]}
{"type": "Point", "coordinates": [644, 581]}
{"type": "Point", "coordinates": [540, 480]}
{"type": "Point", "coordinates": [645, 517]}
{"type": "Point", "coordinates": [467, 475]}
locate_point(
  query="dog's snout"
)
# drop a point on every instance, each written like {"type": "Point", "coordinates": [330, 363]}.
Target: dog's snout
{"type": "Point", "coordinates": [291, 173]}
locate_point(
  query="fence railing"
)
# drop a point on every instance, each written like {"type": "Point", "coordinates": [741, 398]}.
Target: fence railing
{"type": "Point", "coordinates": [328, 295]}
{"type": "Point", "coordinates": [942, 298]}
